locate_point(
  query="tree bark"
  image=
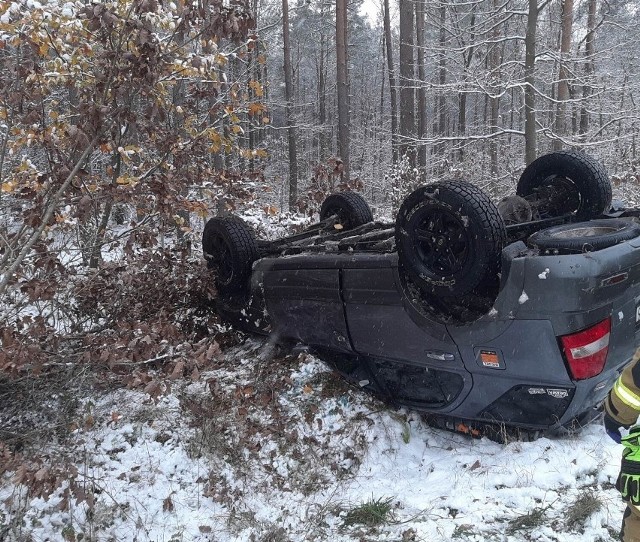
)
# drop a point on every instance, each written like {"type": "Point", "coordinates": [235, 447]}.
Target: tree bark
{"type": "Point", "coordinates": [529, 80]}
{"type": "Point", "coordinates": [343, 85]}
{"type": "Point", "coordinates": [467, 57]}
{"type": "Point", "coordinates": [421, 95]}
{"type": "Point", "coordinates": [589, 67]}
{"type": "Point", "coordinates": [495, 61]}
{"type": "Point", "coordinates": [563, 72]}
{"type": "Point", "coordinates": [407, 100]}
{"type": "Point", "coordinates": [322, 99]}
{"type": "Point", "coordinates": [392, 82]}
{"type": "Point", "coordinates": [288, 91]}
{"type": "Point", "coordinates": [440, 124]}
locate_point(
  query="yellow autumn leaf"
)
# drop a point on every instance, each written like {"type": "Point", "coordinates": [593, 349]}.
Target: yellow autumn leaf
{"type": "Point", "coordinates": [265, 120]}
{"type": "Point", "coordinates": [7, 187]}
{"type": "Point", "coordinates": [237, 129]}
{"type": "Point", "coordinates": [255, 108]}
{"type": "Point", "coordinates": [270, 210]}
{"type": "Point", "coordinates": [124, 180]}
{"type": "Point", "coordinates": [256, 87]}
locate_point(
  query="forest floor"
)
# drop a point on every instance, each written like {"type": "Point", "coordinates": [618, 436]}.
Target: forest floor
{"type": "Point", "coordinates": [265, 446]}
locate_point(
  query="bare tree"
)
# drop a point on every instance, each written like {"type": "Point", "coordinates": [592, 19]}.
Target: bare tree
{"type": "Point", "coordinates": [466, 40]}
{"type": "Point", "coordinates": [495, 61]}
{"type": "Point", "coordinates": [343, 85]}
{"type": "Point", "coordinates": [288, 85]}
{"type": "Point", "coordinates": [589, 66]}
{"type": "Point", "coordinates": [440, 107]}
{"type": "Point", "coordinates": [563, 72]}
{"type": "Point", "coordinates": [421, 93]}
{"type": "Point", "coordinates": [530, 135]}
{"type": "Point", "coordinates": [407, 83]}
{"type": "Point", "coordinates": [392, 81]}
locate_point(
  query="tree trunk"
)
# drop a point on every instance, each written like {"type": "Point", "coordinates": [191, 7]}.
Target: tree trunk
{"type": "Point", "coordinates": [392, 82]}
{"type": "Point", "coordinates": [407, 100]}
{"type": "Point", "coordinates": [343, 85]}
{"type": "Point", "coordinates": [421, 95]}
{"type": "Point", "coordinates": [563, 73]}
{"type": "Point", "coordinates": [589, 67]}
{"type": "Point", "coordinates": [529, 80]}
{"type": "Point", "coordinates": [440, 112]}
{"type": "Point", "coordinates": [494, 100]}
{"type": "Point", "coordinates": [467, 57]}
{"type": "Point", "coordinates": [322, 102]}
{"type": "Point", "coordinates": [288, 92]}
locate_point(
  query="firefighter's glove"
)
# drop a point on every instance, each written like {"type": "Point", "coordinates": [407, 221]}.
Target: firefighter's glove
{"type": "Point", "coordinates": [628, 483]}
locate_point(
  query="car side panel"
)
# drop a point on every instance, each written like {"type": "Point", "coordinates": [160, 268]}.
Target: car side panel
{"type": "Point", "coordinates": [416, 364]}
{"type": "Point", "coordinates": [305, 305]}
{"type": "Point", "coordinates": [379, 324]}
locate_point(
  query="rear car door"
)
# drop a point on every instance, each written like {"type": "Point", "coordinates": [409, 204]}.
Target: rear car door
{"type": "Point", "coordinates": [412, 358]}
{"type": "Point", "coordinates": [302, 296]}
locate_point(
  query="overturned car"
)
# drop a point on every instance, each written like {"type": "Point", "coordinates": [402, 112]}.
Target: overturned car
{"type": "Point", "coordinates": [519, 315]}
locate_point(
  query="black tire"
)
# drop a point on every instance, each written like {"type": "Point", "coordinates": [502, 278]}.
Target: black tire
{"type": "Point", "coordinates": [229, 247]}
{"type": "Point", "coordinates": [566, 182]}
{"type": "Point", "coordinates": [350, 208]}
{"type": "Point", "coordinates": [449, 236]}
{"type": "Point", "coordinates": [584, 236]}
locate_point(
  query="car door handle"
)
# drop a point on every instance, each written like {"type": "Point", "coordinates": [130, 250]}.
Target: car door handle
{"type": "Point", "coordinates": [439, 355]}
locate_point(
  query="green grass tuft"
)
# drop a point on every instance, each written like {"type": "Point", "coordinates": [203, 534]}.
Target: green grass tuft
{"type": "Point", "coordinates": [371, 513]}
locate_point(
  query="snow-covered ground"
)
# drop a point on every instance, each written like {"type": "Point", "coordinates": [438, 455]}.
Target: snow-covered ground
{"type": "Point", "coordinates": [277, 448]}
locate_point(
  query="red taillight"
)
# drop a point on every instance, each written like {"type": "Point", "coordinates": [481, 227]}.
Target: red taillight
{"type": "Point", "coordinates": [586, 351]}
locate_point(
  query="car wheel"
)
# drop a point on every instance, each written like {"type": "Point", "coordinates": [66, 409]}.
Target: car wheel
{"type": "Point", "coordinates": [349, 207]}
{"type": "Point", "coordinates": [229, 247]}
{"type": "Point", "coordinates": [449, 236]}
{"type": "Point", "coordinates": [584, 236]}
{"type": "Point", "coordinates": [566, 182]}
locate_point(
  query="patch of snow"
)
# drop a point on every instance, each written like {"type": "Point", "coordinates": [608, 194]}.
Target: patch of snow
{"type": "Point", "coordinates": [620, 315]}
{"type": "Point", "coordinates": [544, 274]}
{"type": "Point", "coordinates": [157, 478]}
{"type": "Point", "coordinates": [523, 297]}
{"type": "Point", "coordinates": [68, 10]}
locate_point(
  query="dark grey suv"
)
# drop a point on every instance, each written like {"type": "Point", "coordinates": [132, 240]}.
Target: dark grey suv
{"type": "Point", "coordinates": [517, 315]}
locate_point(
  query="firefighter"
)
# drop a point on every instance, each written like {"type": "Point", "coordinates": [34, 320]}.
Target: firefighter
{"type": "Point", "coordinates": [622, 412]}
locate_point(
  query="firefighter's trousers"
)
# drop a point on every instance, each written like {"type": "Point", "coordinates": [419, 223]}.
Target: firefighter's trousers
{"type": "Point", "coordinates": [631, 524]}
